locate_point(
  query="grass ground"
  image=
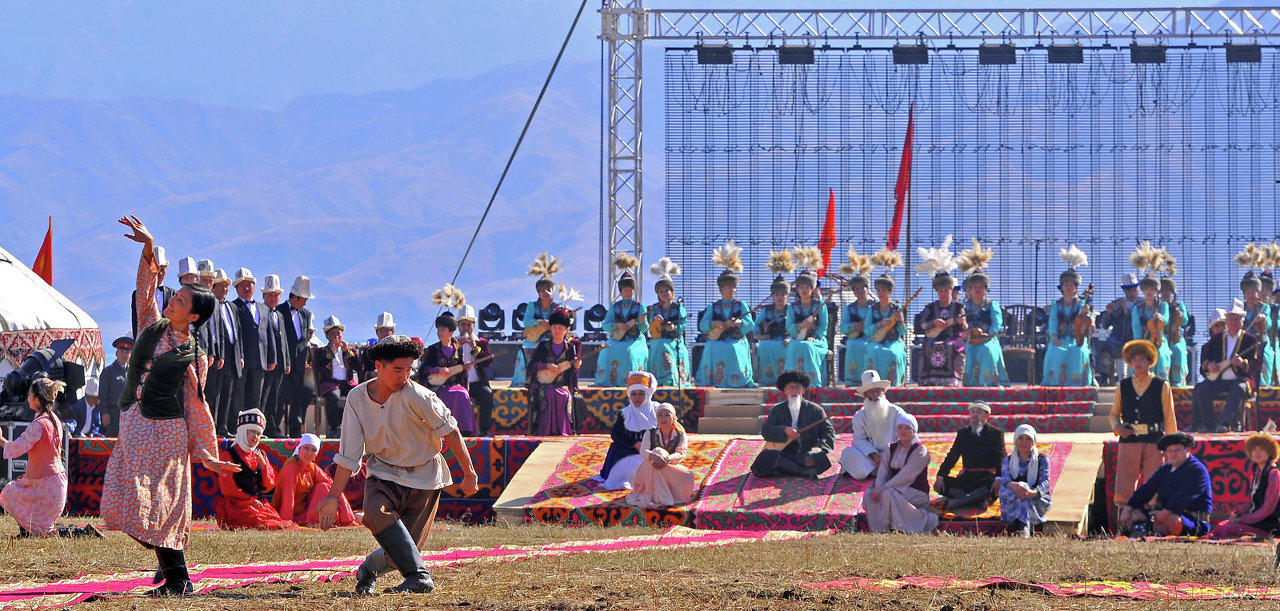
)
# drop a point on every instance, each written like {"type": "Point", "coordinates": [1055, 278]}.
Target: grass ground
{"type": "Point", "coordinates": [750, 576]}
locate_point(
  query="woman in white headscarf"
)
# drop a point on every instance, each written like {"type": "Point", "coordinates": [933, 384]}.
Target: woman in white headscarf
{"type": "Point", "coordinates": [302, 484]}
{"type": "Point", "coordinates": [899, 500]}
{"type": "Point", "coordinates": [1023, 485]}
{"type": "Point", "coordinates": [629, 428]}
{"type": "Point", "coordinates": [660, 480]}
{"type": "Point", "coordinates": [240, 503]}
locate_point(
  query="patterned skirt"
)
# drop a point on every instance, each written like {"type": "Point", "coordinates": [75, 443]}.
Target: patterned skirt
{"type": "Point", "coordinates": [146, 492]}
{"type": "Point", "coordinates": [36, 503]}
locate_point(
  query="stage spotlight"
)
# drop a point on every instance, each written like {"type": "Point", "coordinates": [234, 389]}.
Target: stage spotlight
{"type": "Point", "coordinates": [1066, 54]}
{"type": "Point", "coordinates": [1244, 54]}
{"type": "Point", "coordinates": [722, 54]}
{"type": "Point", "coordinates": [795, 55]}
{"type": "Point", "coordinates": [910, 54]}
{"type": "Point", "coordinates": [997, 55]}
{"type": "Point", "coordinates": [1146, 54]}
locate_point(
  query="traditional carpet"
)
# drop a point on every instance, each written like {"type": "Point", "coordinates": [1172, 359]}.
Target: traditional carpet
{"type": "Point", "coordinates": [1137, 590]}
{"type": "Point", "coordinates": [1268, 405]}
{"type": "Point", "coordinates": [570, 495]}
{"type": "Point", "coordinates": [733, 497]}
{"type": "Point", "coordinates": [598, 407]}
{"type": "Point", "coordinates": [1224, 457]}
{"type": "Point", "coordinates": [208, 577]}
{"type": "Point", "coordinates": [953, 394]}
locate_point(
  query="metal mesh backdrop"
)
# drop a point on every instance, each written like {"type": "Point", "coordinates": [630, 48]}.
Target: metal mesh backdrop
{"type": "Point", "coordinates": [1027, 157]}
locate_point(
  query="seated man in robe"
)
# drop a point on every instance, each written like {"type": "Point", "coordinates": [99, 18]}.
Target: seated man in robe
{"type": "Point", "coordinates": [1177, 499]}
{"type": "Point", "coordinates": [981, 446]}
{"type": "Point", "coordinates": [240, 503]}
{"type": "Point", "coordinates": [797, 432]}
{"type": "Point", "coordinates": [873, 428]}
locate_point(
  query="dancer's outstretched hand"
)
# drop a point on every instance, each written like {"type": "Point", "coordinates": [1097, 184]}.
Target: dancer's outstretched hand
{"type": "Point", "coordinates": [328, 510]}
{"type": "Point", "coordinates": [139, 232]}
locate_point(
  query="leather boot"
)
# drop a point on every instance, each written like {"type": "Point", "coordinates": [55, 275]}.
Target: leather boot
{"type": "Point", "coordinates": [177, 582]}
{"type": "Point", "coordinates": [374, 566]}
{"type": "Point", "coordinates": [402, 551]}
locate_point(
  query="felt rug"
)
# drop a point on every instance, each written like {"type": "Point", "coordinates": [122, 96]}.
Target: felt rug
{"type": "Point", "coordinates": [598, 407]}
{"type": "Point", "coordinates": [570, 495]}
{"type": "Point", "coordinates": [1268, 405]}
{"type": "Point", "coordinates": [1137, 590]}
{"type": "Point", "coordinates": [208, 577]}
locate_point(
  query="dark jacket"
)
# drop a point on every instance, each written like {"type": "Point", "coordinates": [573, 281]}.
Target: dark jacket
{"type": "Point", "coordinates": [1248, 348]}
{"type": "Point", "coordinates": [296, 346]}
{"type": "Point", "coordinates": [821, 438]}
{"type": "Point", "coordinates": [110, 385]}
{"type": "Point", "coordinates": [982, 451]}
{"type": "Point", "coordinates": [94, 427]}
{"type": "Point", "coordinates": [254, 339]}
{"type": "Point", "coordinates": [1183, 491]}
{"type": "Point", "coordinates": [322, 365]}
{"type": "Point", "coordinates": [484, 370]}
{"type": "Point", "coordinates": [227, 345]}
{"type": "Point", "coordinates": [133, 306]}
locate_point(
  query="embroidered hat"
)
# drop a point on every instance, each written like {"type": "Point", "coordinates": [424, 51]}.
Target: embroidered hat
{"type": "Point", "coordinates": [220, 276]}
{"type": "Point", "coordinates": [271, 284]}
{"type": "Point", "coordinates": [186, 265]}
{"type": "Point", "coordinates": [205, 268]}
{"type": "Point", "coordinates": [302, 288]}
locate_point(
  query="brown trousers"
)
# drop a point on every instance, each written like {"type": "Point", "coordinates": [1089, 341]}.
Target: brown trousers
{"type": "Point", "coordinates": [385, 502]}
{"type": "Point", "coordinates": [1135, 463]}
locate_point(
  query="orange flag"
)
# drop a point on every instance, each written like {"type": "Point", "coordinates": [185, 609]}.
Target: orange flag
{"type": "Point", "coordinates": [828, 239]}
{"type": "Point", "coordinates": [44, 259]}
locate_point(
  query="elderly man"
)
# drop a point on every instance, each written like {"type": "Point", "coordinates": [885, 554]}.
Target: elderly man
{"type": "Point", "coordinates": [798, 430]}
{"type": "Point", "coordinates": [981, 446]}
{"type": "Point", "coordinates": [874, 428]}
{"type": "Point", "coordinates": [1115, 316]}
{"type": "Point", "coordinates": [1177, 499]}
{"type": "Point", "coordinates": [298, 328]}
{"type": "Point", "coordinates": [88, 416]}
{"type": "Point", "coordinates": [204, 271]}
{"type": "Point", "coordinates": [273, 388]}
{"type": "Point", "coordinates": [226, 358]}
{"type": "Point", "coordinates": [1230, 364]}
{"type": "Point", "coordinates": [260, 354]}
{"type": "Point", "coordinates": [111, 385]}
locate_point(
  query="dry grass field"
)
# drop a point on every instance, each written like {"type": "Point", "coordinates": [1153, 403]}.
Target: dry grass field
{"type": "Point", "coordinates": [744, 576]}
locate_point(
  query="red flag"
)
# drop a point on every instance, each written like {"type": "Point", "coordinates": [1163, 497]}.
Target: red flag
{"type": "Point", "coordinates": [828, 239]}
{"type": "Point", "coordinates": [904, 182]}
{"type": "Point", "coordinates": [44, 259]}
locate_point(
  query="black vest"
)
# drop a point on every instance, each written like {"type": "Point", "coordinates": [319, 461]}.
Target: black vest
{"type": "Point", "coordinates": [246, 479]}
{"type": "Point", "coordinates": [161, 394]}
{"type": "Point", "coordinates": [1148, 409]}
{"type": "Point", "coordinates": [1270, 523]}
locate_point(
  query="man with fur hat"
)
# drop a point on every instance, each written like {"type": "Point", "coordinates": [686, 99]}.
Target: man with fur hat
{"type": "Point", "coordinates": [163, 293]}
{"type": "Point", "coordinates": [226, 359]}
{"type": "Point", "coordinates": [941, 361]}
{"type": "Point", "coordinates": [981, 448]}
{"type": "Point", "coordinates": [479, 358]}
{"type": "Point", "coordinates": [298, 325]}
{"type": "Point", "coordinates": [802, 426]}
{"type": "Point", "coordinates": [874, 428]}
{"type": "Point", "coordinates": [668, 355]}
{"type": "Point", "coordinates": [726, 355]}
{"type": "Point", "coordinates": [1257, 322]}
{"type": "Point", "coordinates": [240, 503]}
{"type": "Point", "coordinates": [627, 350]}
{"type": "Point", "coordinates": [1142, 413]}
{"type": "Point", "coordinates": [274, 393]}
{"type": "Point", "coordinates": [111, 385]}
{"type": "Point", "coordinates": [1233, 359]}
{"type": "Point", "coordinates": [1115, 318]}
{"type": "Point", "coordinates": [399, 426]}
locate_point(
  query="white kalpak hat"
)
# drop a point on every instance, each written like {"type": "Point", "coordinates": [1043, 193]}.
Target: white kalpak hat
{"type": "Point", "coordinates": [186, 265]}
{"type": "Point", "coordinates": [91, 387]}
{"type": "Point", "coordinates": [205, 267]}
{"type": "Point", "coordinates": [385, 321]}
{"type": "Point", "coordinates": [157, 252]}
{"type": "Point", "coordinates": [332, 322]}
{"type": "Point", "coordinates": [271, 284]}
{"type": "Point", "coordinates": [1237, 308]}
{"type": "Point", "coordinates": [220, 276]}
{"type": "Point", "coordinates": [302, 287]}
{"type": "Point", "coordinates": [244, 275]}
{"type": "Point", "coordinates": [871, 379]}
{"type": "Point", "coordinates": [467, 313]}
{"type": "Point", "coordinates": [1219, 317]}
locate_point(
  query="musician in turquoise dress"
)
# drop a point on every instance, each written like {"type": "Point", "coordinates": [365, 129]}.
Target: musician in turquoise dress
{"type": "Point", "coordinates": [536, 313]}
{"type": "Point", "coordinates": [668, 353]}
{"type": "Point", "coordinates": [1066, 363]}
{"type": "Point", "coordinates": [1257, 322]}
{"type": "Point", "coordinates": [627, 353]}
{"type": "Point", "coordinates": [771, 334]}
{"type": "Point", "coordinates": [854, 326]}
{"type": "Point", "coordinates": [1140, 316]}
{"type": "Point", "coordinates": [984, 360]}
{"type": "Point", "coordinates": [726, 361]}
{"type": "Point", "coordinates": [807, 328]}
{"type": "Point", "coordinates": [889, 355]}
{"type": "Point", "coordinates": [1177, 349]}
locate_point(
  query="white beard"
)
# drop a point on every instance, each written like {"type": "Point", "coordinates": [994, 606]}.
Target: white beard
{"type": "Point", "coordinates": [880, 421]}
{"type": "Point", "coordinates": [793, 404]}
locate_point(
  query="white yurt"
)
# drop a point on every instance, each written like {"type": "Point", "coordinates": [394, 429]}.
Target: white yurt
{"type": "Point", "coordinates": [34, 314]}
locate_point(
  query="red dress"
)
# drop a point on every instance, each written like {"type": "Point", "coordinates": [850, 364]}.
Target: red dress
{"type": "Point", "coordinates": [299, 491]}
{"type": "Point", "coordinates": [239, 505]}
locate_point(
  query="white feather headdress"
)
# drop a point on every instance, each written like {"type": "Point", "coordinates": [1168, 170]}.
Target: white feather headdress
{"type": "Point", "coordinates": [728, 256]}
{"type": "Point", "coordinates": [1073, 257]}
{"type": "Point", "coordinates": [665, 268]}
{"type": "Point", "coordinates": [935, 260]}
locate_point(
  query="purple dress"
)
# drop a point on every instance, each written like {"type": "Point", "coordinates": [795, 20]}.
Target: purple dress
{"type": "Point", "coordinates": [453, 392]}
{"type": "Point", "coordinates": [551, 405]}
{"type": "Point", "coordinates": [942, 357]}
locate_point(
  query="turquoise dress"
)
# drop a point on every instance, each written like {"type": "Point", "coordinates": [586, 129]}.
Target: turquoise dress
{"type": "Point", "coordinates": [726, 362]}
{"type": "Point", "coordinates": [1065, 363]}
{"type": "Point", "coordinates": [984, 363]}
{"type": "Point", "coordinates": [810, 354]}
{"type": "Point", "coordinates": [1139, 314]}
{"type": "Point", "coordinates": [771, 345]}
{"type": "Point", "coordinates": [1178, 350]}
{"type": "Point", "coordinates": [1267, 377]}
{"type": "Point", "coordinates": [668, 353]}
{"type": "Point", "coordinates": [532, 314]}
{"type": "Point", "coordinates": [628, 354]}
{"type": "Point", "coordinates": [888, 357]}
{"type": "Point", "coordinates": [855, 348]}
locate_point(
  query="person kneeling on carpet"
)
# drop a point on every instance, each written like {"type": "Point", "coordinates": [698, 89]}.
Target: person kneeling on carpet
{"type": "Point", "coordinates": [899, 499]}
{"type": "Point", "coordinates": [981, 446]}
{"type": "Point", "coordinates": [660, 480]}
{"type": "Point", "coordinates": [1177, 499]}
{"type": "Point", "coordinates": [240, 503]}
{"type": "Point", "coordinates": [1023, 485]}
{"type": "Point", "coordinates": [797, 433]}
{"type": "Point", "coordinates": [628, 432]}
{"type": "Point", "coordinates": [303, 484]}
{"type": "Point", "coordinates": [1263, 518]}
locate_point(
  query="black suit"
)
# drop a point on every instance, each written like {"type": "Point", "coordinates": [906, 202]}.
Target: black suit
{"type": "Point", "coordinates": [1202, 398]}
{"type": "Point", "coordinates": [982, 454]}
{"type": "Point", "coordinates": [133, 306]}
{"type": "Point", "coordinates": [297, 339]}
{"type": "Point", "coordinates": [254, 341]}
{"type": "Point", "coordinates": [220, 389]}
{"type": "Point", "coordinates": [273, 388]}
{"type": "Point", "coordinates": [808, 456]}
{"type": "Point", "coordinates": [110, 387]}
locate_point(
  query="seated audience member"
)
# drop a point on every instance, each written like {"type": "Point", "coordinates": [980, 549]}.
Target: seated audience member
{"type": "Point", "coordinates": [660, 480]}
{"type": "Point", "coordinates": [1177, 499]}
{"type": "Point", "coordinates": [302, 485]}
{"type": "Point", "coordinates": [629, 428]}
{"type": "Point", "coordinates": [240, 503]}
{"type": "Point", "coordinates": [86, 413]}
{"type": "Point", "coordinates": [1264, 493]}
{"type": "Point", "coordinates": [981, 445]}
{"type": "Point", "coordinates": [1234, 357]}
{"type": "Point", "coordinates": [874, 428]}
{"type": "Point", "coordinates": [1023, 485]}
{"type": "Point", "coordinates": [899, 498]}
{"type": "Point", "coordinates": [797, 432]}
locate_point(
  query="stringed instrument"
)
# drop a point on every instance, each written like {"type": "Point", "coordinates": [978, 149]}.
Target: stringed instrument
{"type": "Point", "coordinates": [883, 331]}
{"type": "Point", "coordinates": [1225, 364]}
{"type": "Point", "coordinates": [1175, 323]}
{"type": "Point", "coordinates": [1155, 328]}
{"type": "Point", "coordinates": [1083, 323]}
{"type": "Point", "coordinates": [622, 329]}
{"type": "Point", "coordinates": [534, 333]}
{"type": "Point", "coordinates": [803, 331]}
{"type": "Point", "coordinates": [441, 377]}
{"type": "Point", "coordinates": [716, 332]}
{"type": "Point", "coordinates": [935, 331]}
{"type": "Point", "coordinates": [548, 375]}
{"type": "Point", "coordinates": [781, 445]}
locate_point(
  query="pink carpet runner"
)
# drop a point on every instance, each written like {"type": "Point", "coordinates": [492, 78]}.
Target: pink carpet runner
{"type": "Point", "coordinates": [208, 577]}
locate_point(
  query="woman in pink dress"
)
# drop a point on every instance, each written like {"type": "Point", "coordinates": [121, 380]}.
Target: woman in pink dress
{"type": "Point", "coordinates": [302, 485]}
{"type": "Point", "coordinates": [35, 500]}
{"type": "Point", "coordinates": [660, 480]}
